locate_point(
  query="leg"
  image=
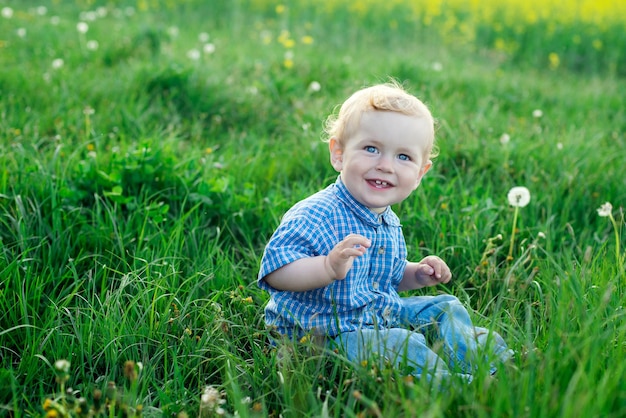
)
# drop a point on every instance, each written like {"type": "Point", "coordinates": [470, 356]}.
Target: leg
{"type": "Point", "coordinates": [447, 320]}
{"type": "Point", "coordinates": [404, 349]}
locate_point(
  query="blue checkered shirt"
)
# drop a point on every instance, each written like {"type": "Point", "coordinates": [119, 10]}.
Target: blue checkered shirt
{"type": "Point", "coordinates": [366, 298]}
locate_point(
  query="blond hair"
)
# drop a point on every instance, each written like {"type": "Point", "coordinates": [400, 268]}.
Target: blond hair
{"type": "Point", "coordinates": [391, 97]}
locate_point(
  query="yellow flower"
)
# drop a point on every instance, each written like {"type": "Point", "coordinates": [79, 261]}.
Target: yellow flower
{"type": "Point", "coordinates": [280, 9]}
{"type": "Point", "coordinates": [288, 63]}
{"type": "Point", "coordinates": [553, 57]}
{"type": "Point", "coordinates": [307, 40]}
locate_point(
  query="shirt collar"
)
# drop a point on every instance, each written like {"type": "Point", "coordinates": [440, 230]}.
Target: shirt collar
{"type": "Point", "coordinates": [363, 212]}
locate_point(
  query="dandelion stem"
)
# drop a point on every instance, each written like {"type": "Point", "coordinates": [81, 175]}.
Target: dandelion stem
{"type": "Point", "coordinates": [617, 249]}
{"type": "Point", "coordinates": [510, 256]}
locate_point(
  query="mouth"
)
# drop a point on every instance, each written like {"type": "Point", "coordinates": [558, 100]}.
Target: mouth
{"type": "Point", "coordinates": [379, 184]}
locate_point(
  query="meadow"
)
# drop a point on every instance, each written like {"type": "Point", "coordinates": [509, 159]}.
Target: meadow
{"type": "Point", "coordinates": [148, 149]}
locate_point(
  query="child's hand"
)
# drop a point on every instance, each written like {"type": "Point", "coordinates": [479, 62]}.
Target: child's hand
{"type": "Point", "coordinates": [339, 261]}
{"type": "Point", "coordinates": [432, 270]}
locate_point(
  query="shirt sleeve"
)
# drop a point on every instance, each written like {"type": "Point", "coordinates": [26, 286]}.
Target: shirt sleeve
{"type": "Point", "coordinates": [295, 238]}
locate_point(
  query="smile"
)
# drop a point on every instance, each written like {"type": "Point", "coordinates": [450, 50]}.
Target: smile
{"type": "Point", "coordinates": [379, 184]}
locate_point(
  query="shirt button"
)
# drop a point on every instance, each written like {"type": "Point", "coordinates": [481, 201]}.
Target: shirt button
{"type": "Point", "coordinates": [375, 285]}
{"type": "Point", "coordinates": [381, 250]}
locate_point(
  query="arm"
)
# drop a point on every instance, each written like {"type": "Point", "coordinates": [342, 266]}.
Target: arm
{"type": "Point", "coordinates": [315, 272]}
{"type": "Point", "coordinates": [431, 271]}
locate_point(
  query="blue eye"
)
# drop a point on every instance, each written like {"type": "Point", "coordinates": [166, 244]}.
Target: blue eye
{"type": "Point", "coordinates": [404, 157]}
{"type": "Point", "coordinates": [371, 149]}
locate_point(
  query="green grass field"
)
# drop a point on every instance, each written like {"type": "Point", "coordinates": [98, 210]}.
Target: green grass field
{"type": "Point", "coordinates": [149, 148]}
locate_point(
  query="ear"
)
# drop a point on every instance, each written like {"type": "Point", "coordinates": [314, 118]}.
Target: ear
{"type": "Point", "coordinates": [336, 154]}
{"type": "Point", "coordinates": [427, 165]}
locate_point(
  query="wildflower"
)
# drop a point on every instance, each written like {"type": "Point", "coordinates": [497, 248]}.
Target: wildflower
{"type": "Point", "coordinates": [173, 31]}
{"type": "Point", "coordinates": [541, 235]}
{"type": "Point", "coordinates": [92, 45]}
{"type": "Point", "coordinates": [554, 60]}
{"type": "Point", "coordinates": [559, 146]}
{"type": "Point", "coordinates": [211, 399]}
{"type": "Point", "coordinates": [42, 10]}
{"type": "Point", "coordinates": [505, 138]}
{"type": "Point", "coordinates": [193, 54]}
{"type": "Point", "coordinates": [209, 48]}
{"type": "Point", "coordinates": [537, 113]}
{"type": "Point", "coordinates": [437, 66]}
{"type": "Point", "coordinates": [82, 27]}
{"type": "Point", "coordinates": [203, 37]}
{"type": "Point", "coordinates": [130, 370]}
{"type": "Point", "coordinates": [519, 196]}
{"type": "Point", "coordinates": [7, 12]}
{"type": "Point", "coordinates": [315, 86]}
{"type": "Point", "coordinates": [605, 210]}
{"type": "Point", "coordinates": [54, 20]}
{"type": "Point", "coordinates": [57, 63]}
{"type": "Point", "coordinates": [62, 366]}
{"type": "Point", "coordinates": [280, 9]}
{"type": "Point", "coordinates": [307, 40]}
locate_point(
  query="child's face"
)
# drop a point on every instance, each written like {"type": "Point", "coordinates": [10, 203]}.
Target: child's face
{"type": "Point", "coordinates": [384, 159]}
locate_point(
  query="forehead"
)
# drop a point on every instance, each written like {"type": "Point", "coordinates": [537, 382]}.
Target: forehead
{"type": "Point", "coordinates": [406, 129]}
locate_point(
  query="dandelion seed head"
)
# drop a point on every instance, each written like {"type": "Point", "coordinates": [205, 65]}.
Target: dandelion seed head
{"type": "Point", "coordinates": [42, 10]}
{"type": "Point", "coordinates": [208, 48]}
{"type": "Point", "coordinates": [437, 66]}
{"type": "Point", "coordinates": [203, 37]}
{"type": "Point", "coordinates": [505, 138]}
{"type": "Point", "coordinates": [537, 113]}
{"type": "Point", "coordinates": [605, 210]}
{"type": "Point", "coordinates": [82, 27]}
{"type": "Point", "coordinates": [57, 63]}
{"type": "Point", "coordinates": [21, 32]}
{"type": "Point", "coordinates": [55, 20]}
{"type": "Point", "coordinates": [193, 54]}
{"type": "Point", "coordinates": [62, 366]}
{"type": "Point", "coordinates": [315, 86]}
{"type": "Point", "coordinates": [7, 12]}
{"type": "Point", "coordinates": [92, 45]}
{"type": "Point", "coordinates": [559, 146]}
{"type": "Point", "coordinates": [518, 196]}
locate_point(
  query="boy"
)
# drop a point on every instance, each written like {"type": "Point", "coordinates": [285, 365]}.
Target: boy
{"type": "Point", "coordinates": [337, 261]}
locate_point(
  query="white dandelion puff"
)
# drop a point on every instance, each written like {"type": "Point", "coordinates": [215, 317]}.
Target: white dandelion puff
{"type": "Point", "coordinates": [519, 196]}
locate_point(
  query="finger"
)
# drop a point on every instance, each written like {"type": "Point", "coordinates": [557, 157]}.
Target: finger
{"type": "Point", "coordinates": [424, 269]}
{"type": "Point", "coordinates": [353, 240]}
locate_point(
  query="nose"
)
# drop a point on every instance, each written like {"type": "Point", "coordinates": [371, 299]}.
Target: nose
{"type": "Point", "coordinates": [384, 164]}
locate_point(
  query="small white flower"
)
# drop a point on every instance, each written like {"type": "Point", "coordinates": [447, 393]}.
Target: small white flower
{"type": "Point", "coordinates": [505, 138]}
{"type": "Point", "coordinates": [54, 20]}
{"type": "Point", "coordinates": [193, 54]}
{"type": "Point", "coordinates": [541, 235]}
{"type": "Point", "coordinates": [315, 86]}
{"type": "Point", "coordinates": [21, 32]}
{"type": "Point", "coordinates": [57, 63]}
{"type": "Point", "coordinates": [7, 12]}
{"type": "Point", "coordinates": [173, 31]}
{"type": "Point", "coordinates": [209, 48]}
{"type": "Point", "coordinates": [519, 196]}
{"type": "Point", "coordinates": [42, 10]}
{"type": "Point", "coordinates": [289, 55]}
{"type": "Point", "coordinates": [62, 366]}
{"type": "Point", "coordinates": [605, 210]}
{"type": "Point", "coordinates": [437, 66]}
{"type": "Point", "coordinates": [102, 11]}
{"type": "Point", "coordinates": [559, 146]}
{"type": "Point", "coordinates": [203, 37]}
{"type": "Point", "coordinates": [92, 45]}
{"type": "Point", "coordinates": [537, 113]}
{"type": "Point", "coordinates": [82, 27]}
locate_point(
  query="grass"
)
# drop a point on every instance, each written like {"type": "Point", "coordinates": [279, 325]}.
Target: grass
{"type": "Point", "coordinates": [139, 185]}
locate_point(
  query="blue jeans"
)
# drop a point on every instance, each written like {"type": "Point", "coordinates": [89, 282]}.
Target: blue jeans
{"type": "Point", "coordinates": [429, 321]}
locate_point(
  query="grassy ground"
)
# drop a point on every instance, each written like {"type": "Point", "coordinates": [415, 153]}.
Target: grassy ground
{"type": "Point", "coordinates": [148, 153]}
